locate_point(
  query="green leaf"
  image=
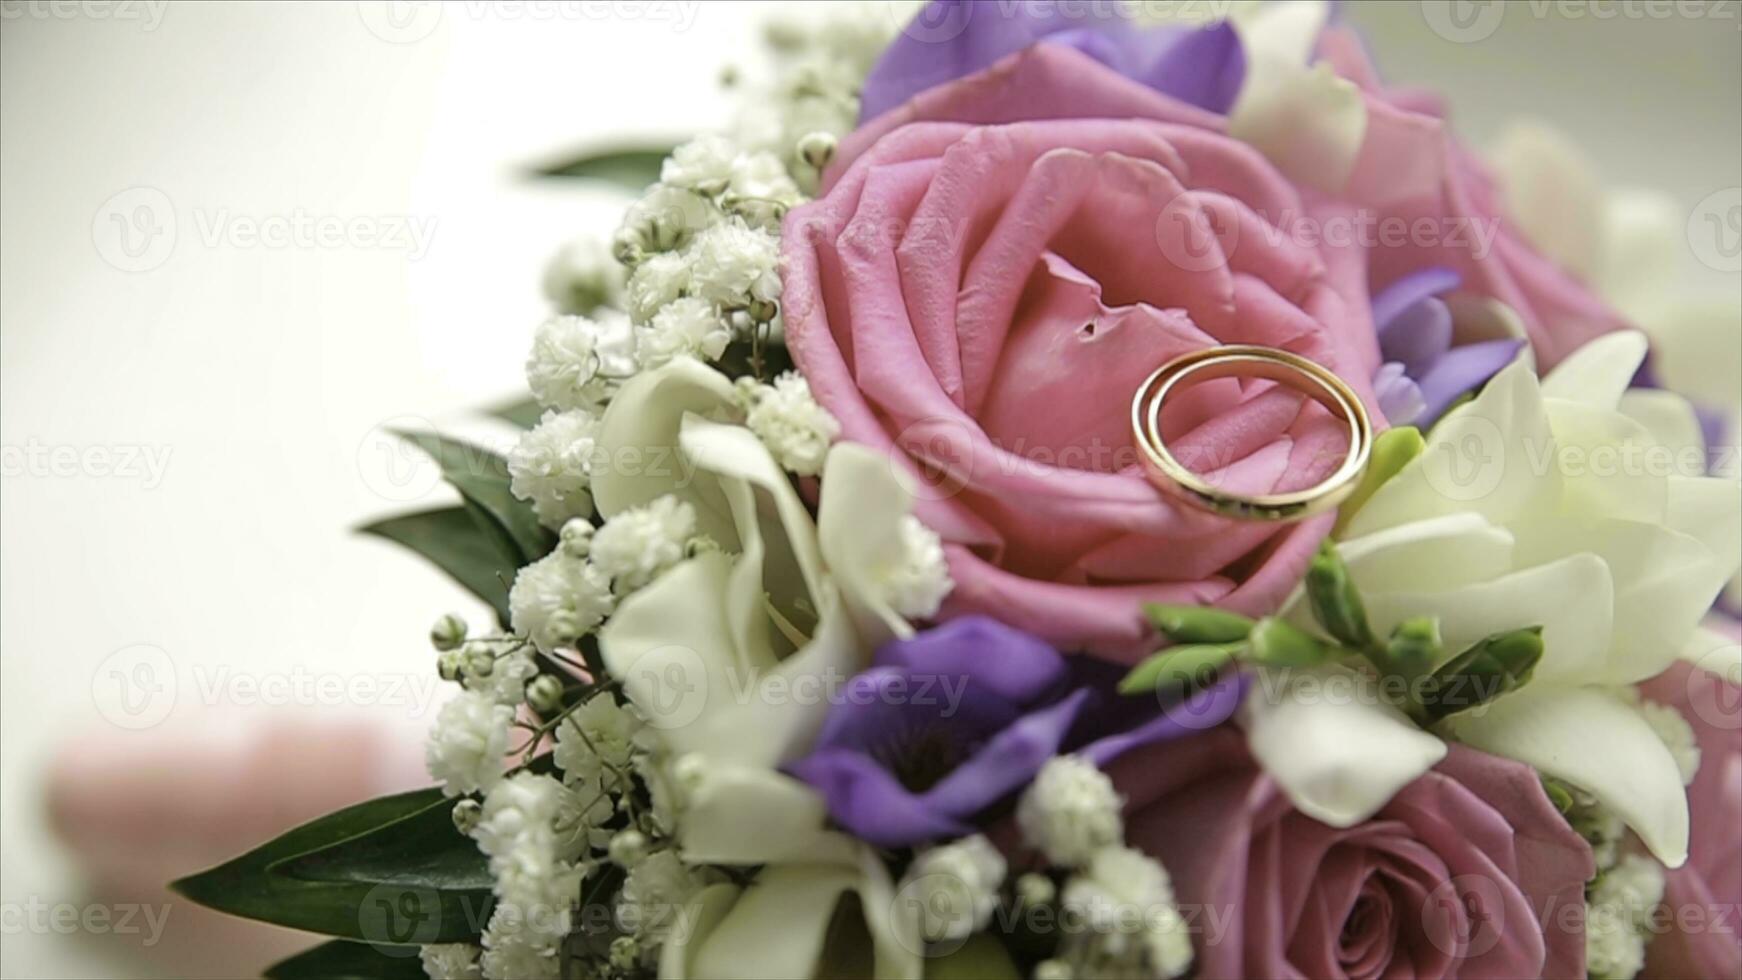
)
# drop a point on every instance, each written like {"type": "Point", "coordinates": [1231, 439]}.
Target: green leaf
{"type": "Point", "coordinates": [1277, 644]}
{"type": "Point", "coordinates": [1502, 663]}
{"type": "Point", "coordinates": [1335, 602]}
{"type": "Point", "coordinates": [481, 477]}
{"type": "Point", "coordinates": [632, 168]}
{"type": "Point", "coordinates": [1197, 624]}
{"type": "Point", "coordinates": [342, 959]}
{"type": "Point", "coordinates": [1180, 667]}
{"type": "Point", "coordinates": [392, 870]}
{"type": "Point", "coordinates": [1392, 451]}
{"type": "Point", "coordinates": [453, 540]}
{"type": "Point", "coordinates": [524, 414]}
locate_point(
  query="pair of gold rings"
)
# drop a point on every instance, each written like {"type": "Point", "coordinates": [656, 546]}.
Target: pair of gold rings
{"type": "Point", "coordinates": [1243, 361]}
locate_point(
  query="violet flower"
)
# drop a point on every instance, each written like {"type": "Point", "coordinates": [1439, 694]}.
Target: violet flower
{"type": "Point", "coordinates": [951, 39]}
{"type": "Point", "coordinates": [1423, 374]}
{"type": "Point", "coordinates": [954, 720]}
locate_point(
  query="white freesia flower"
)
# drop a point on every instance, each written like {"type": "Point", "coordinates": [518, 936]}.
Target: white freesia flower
{"type": "Point", "coordinates": [706, 648]}
{"type": "Point", "coordinates": [686, 327]}
{"type": "Point", "coordinates": [552, 466]}
{"type": "Point", "coordinates": [1536, 504]}
{"type": "Point", "coordinates": [578, 362]}
{"type": "Point", "coordinates": [558, 599]}
{"type": "Point", "coordinates": [583, 276]}
{"type": "Point", "coordinates": [466, 745]}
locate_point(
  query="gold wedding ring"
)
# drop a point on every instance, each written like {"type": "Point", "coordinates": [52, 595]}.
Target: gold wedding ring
{"type": "Point", "coordinates": [1243, 361]}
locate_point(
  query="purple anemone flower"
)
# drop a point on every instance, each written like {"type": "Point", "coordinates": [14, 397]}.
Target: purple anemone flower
{"type": "Point", "coordinates": [1423, 374]}
{"type": "Point", "coordinates": [947, 724]}
{"type": "Point", "coordinates": [951, 39]}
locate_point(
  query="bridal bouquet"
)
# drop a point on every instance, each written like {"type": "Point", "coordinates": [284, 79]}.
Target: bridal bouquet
{"type": "Point", "coordinates": [1079, 493]}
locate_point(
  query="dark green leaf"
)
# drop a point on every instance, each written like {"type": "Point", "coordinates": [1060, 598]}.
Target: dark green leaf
{"type": "Point", "coordinates": [342, 959]}
{"type": "Point", "coordinates": [1180, 667]}
{"type": "Point", "coordinates": [455, 541]}
{"type": "Point", "coordinates": [481, 476]}
{"type": "Point", "coordinates": [522, 413]}
{"type": "Point", "coordinates": [1198, 624]}
{"type": "Point", "coordinates": [632, 168]}
{"type": "Point", "coordinates": [392, 870]}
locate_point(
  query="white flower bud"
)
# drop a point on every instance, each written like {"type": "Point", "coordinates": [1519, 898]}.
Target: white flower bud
{"type": "Point", "coordinates": [467, 814]}
{"type": "Point", "coordinates": [577, 538]}
{"type": "Point", "coordinates": [628, 848]}
{"type": "Point", "coordinates": [817, 149]}
{"type": "Point", "coordinates": [545, 694]}
{"type": "Point", "coordinates": [448, 632]}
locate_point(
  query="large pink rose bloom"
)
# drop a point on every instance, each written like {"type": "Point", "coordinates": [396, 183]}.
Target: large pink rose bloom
{"type": "Point", "coordinates": [1703, 931]}
{"type": "Point", "coordinates": [990, 273]}
{"type": "Point", "coordinates": [1468, 872]}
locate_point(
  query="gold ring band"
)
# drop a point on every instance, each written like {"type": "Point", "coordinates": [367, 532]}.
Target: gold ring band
{"type": "Point", "coordinates": [1243, 361]}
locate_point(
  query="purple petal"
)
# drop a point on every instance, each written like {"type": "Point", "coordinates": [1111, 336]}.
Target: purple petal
{"type": "Point", "coordinates": [1461, 370]}
{"type": "Point", "coordinates": [1417, 336]}
{"type": "Point", "coordinates": [1202, 711]}
{"type": "Point", "coordinates": [864, 798]}
{"type": "Point", "coordinates": [1410, 290]}
{"type": "Point", "coordinates": [1008, 761]}
{"type": "Point", "coordinates": [1203, 67]}
{"type": "Point", "coordinates": [981, 652]}
{"type": "Point", "coordinates": [1399, 398]}
{"type": "Point", "coordinates": [878, 708]}
{"type": "Point", "coordinates": [947, 40]}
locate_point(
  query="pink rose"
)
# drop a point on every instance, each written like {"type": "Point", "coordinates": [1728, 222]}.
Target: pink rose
{"type": "Point", "coordinates": [981, 301]}
{"type": "Point", "coordinates": [1411, 169]}
{"type": "Point", "coordinates": [1703, 898]}
{"type": "Point", "coordinates": [1469, 871]}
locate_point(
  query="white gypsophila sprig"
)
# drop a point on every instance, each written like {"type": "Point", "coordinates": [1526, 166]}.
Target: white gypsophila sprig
{"type": "Point", "coordinates": [508, 670]}
{"type": "Point", "coordinates": [917, 584]}
{"type": "Point", "coordinates": [955, 886]}
{"type": "Point", "coordinates": [637, 544]}
{"type": "Point", "coordinates": [664, 219]}
{"type": "Point", "coordinates": [597, 740]}
{"type": "Point", "coordinates": [557, 600]}
{"type": "Point", "coordinates": [582, 276]}
{"type": "Point", "coordinates": [465, 748]}
{"type": "Point", "coordinates": [1671, 726]}
{"type": "Point", "coordinates": [660, 280]}
{"type": "Point", "coordinates": [451, 961]}
{"type": "Point", "coordinates": [552, 466]}
{"type": "Point", "coordinates": [535, 889]}
{"type": "Point", "coordinates": [1123, 917]}
{"type": "Point", "coordinates": [577, 362]}
{"type": "Point", "coordinates": [655, 893]}
{"type": "Point", "coordinates": [703, 165]}
{"type": "Point", "coordinates": [1620, 905]}
{"type": "Point", "coordinates": [686, 327]}
{"type": "Point", "coordinates": [790, 422]}
{"type": "Point", "coordinates": [735, 266]}
{"type": "Point", "coordinates": [1070, 811]}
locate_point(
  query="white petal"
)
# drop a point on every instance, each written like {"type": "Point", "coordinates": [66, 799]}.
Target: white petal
{"type": "Point", "coordinates": [1644, 231]}
{"type": "Point", "coordinates": [1552, 194]}
{"type": "Point", "coordinates": [1698, 347]}
{"type": "Point", "coordinates": [1605, 464]}
{"type": "Point", "coordinates": [859, 526]}
{"type": "Point", "coordinates": [1595, 740]}
{"type": "Point", "coordinates": [1715, 653]}
{"type": "Point", "coordinates": [1597, 373]}
{"type": "Point", "coordinates": [1308, 122]}
{"type": "Point", "coordinates": [1284, 33]}
{"type": "Point", "coordinates": [699, 920]}
{"type": "Point", "coordinates": [743, 816]}
{"type": "Point", "coordinates": [1436, 554]}
{"type": "Point", "coordinates": [638, 457]}
{"type": "Point", "coordinates": [1338, 753]}
{"type": "Point", "coordinates": [1672, 423]}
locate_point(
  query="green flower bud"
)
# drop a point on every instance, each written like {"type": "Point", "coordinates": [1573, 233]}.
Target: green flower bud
{"type": "Point", "coordinates": [1392, 451]}
{"type": "Point", "coordinates": [1275, 643]}
{"type": "Point", "coordinates": [1335, 601]}
{"type": "Point", "coordinates": [1198, 624]}
{"type": "Point", "coordinates": [450, 663]}
{"type": "Point", "coordinates": [1414, 647]}
{"type": "Point", "coordinates": [447, 633]}
{"type": "Point", "coordinates": [467, 814]}
{"type": "Point", "coordinates": [1180, 667]}
{"type": "Point", "coordinates": [544, 693]}
{"type": "Point", "coordinates": [1559, 794]}
{"type": "Point", "coordinates": [1500, 664]}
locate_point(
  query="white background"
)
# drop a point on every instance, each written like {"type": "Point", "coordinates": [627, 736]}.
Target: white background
{"type": "Point", "coordinates": [265, 373]}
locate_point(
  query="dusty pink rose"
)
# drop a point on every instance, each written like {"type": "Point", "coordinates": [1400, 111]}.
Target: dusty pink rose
{"type": "Point", "coordinates": [1468, 872]}
{"type": "Point", "coordinates": [1411, 169]}
{"type": "Point", "coordinates": [1703, 898]}
{"type": "Point", "coordinates": [986, 279]}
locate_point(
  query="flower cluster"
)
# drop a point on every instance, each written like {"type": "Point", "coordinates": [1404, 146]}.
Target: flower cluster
{"type": "Point", "coordinates": [843, 634]}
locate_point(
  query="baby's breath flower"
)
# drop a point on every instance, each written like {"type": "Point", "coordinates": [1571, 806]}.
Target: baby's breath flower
{"type": "Point", "coordinates": [657, 282]}
{"type": "Point", "coordinates": [1125, 901]}
{"type": "Point", "coordinates": [583, 276]}
{"type": "Point", "coordinates": [577, 537]}
{"type": "Point", "coordinates": [466, 745]}
{"type": "Point", "coordinates": [637, 544]}
{"type": "Point", "coordinates": [577, 362]}
{"type": "Point", "coordinates": [551, 466]}
{"type": "Point", "coordinates": [597, 740]}
{"type": "Point", "coordinates": [557, 600]}
{"type": "Point", "coordinates": [956, 887]}
{"type": "Point", "coordinates": [790, 423]}
{"type": "Point", "coordinates": [1677, 734]}
{"type": "Point", "coordinates": [734, 265]}
{"type": "Point", "coordinates": [916, 586]}
{"type": "Point", "coordinates": [451, 961]}
{"type": "Point", "coordinates": [448, 632]}
{"type": "Point", "coordinates": [686, 327]}
{"type": "Point", "coordinates": [1070, 811]}
{"type": "Point", "coordinates": [506, 671]}
{"type": "Point", "coordinates": [664, 219]}
{"type": "Point", "coordinates": [703, 165]}
{"type": "Point", "coordinates": [655, 892]}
